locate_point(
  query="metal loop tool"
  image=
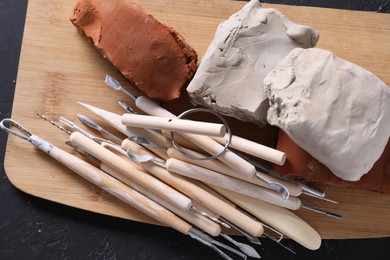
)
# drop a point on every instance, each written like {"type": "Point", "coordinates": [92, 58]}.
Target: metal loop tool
{"type": "Point", "coordinates": [224, 121]}
{"type": "Point", "coordinates": [25, 134]}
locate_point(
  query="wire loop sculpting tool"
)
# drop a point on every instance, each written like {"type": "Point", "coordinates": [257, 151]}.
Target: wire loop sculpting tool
{"type": "Point", "coordinates": [204, 142]}
{"type": "Point", "coordinates": [276, 186]}
{"type": "Point", "coordinates": [228, 132]}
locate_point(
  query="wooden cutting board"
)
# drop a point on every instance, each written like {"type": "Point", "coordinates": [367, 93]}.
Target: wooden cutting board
{"type": "Point", "coordinates": [59, 67]}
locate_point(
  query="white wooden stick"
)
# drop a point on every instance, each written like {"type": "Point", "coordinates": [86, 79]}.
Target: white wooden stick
{"type": "Point", "coordinates": [174, 124]}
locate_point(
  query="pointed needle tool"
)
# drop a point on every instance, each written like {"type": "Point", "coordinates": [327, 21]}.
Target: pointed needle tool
{"type": "Point", "coordinates": [92, 124]}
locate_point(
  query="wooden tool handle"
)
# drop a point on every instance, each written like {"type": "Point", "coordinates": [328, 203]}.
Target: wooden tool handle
{"type": "Point", "coordinates": [174, 124]}
{"type": "Point", "coordinates": [120, 190]}
{"type": "Point", "coordinates": [204, 142]}
{"type": "Point", "coordinates": [114, 120]}
{"type": "Point", "coordinates": [196, 193]}
{"type": "Point", "coordinates": [255, 149]}
{"type": "Point", "coordinates": [218, 166]}
{"type": "Point", "coordinates": [279, 218]}
{"type": "Point", "coordinates": [236, 185]}
{"type": "Point", "coordinates": [191, 216]}
{"type": "Point", "coordinates": [124, 167]}
{"type": "Point", "coordinates": [152, 108]}
{"type": "Point", "coordinates": [246, 169]}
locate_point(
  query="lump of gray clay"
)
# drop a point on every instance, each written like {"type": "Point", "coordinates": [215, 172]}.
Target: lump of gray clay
{"type": "Point", "coordinates": [245, 48]}
{"type": "Point", "coordinates": [334, 109]}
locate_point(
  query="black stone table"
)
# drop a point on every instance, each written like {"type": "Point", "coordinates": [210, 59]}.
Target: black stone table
{"type": "Point", "coordinates": [32, 228]}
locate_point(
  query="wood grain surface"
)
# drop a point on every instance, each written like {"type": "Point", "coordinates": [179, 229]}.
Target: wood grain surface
{"type": "Point", "coordinates": [59, 67]}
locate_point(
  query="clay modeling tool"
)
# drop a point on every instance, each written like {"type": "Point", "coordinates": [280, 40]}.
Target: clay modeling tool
{"type": "Point", "coordinates": [146, 143]}
{"type": "Point", "coordinates": [279, 218]}
{"type": "Point", "coordinates": [174, 124]}
{"type": "Point", "coordinates": [191, 216]}
{"type": "Point", "coordinates": [306, 189]}
{"type": "Point", "coordinates": [198, 207]}
{"type": "Point", "coordinates": [215, 217]}
{"type": "Point", "coordinates": [204, 142]}
{"type": "Point", "coordinates": [283, 187]}
{"type": "Point", "coordinates": [314, 192]}
{"type": "Point", "coordinates": [126, 107]}
{"type": "Point", "coordinates": [92, 124]}
{"type": "Point", "coordinates": [313, 207]}
{"type": "Point", "coordinates": [240, 186]}
{"type": "Point", "coordinates": [278, 185]}
{"type": "Point", "coordinates": [216, 178]}
{"type": "Point", "coordinates": [118, 189]}
{"type": "Point", "coordinates": [77, 128]}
